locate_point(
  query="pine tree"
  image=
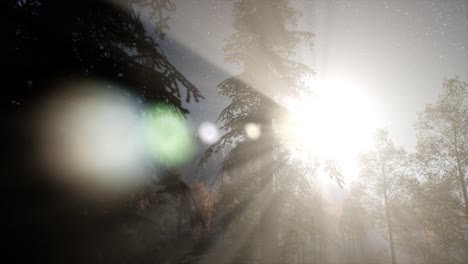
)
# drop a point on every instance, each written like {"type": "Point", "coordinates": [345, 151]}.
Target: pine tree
{"type": "Point", "coordinates": [63, 41]}
{"type": "Point", "coordinates": [55, 40]}
{"type": "Point", "coordinates": [263, 45]}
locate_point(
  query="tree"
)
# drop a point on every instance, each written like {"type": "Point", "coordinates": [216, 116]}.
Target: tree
{"type": "Point", "coordinates": [55, 40]}
{"type": "Point", "coordinates": [352, 227]}
{"type": "Point", "coordinates": [442, 159]}
{"type": "Point", "coordinates": [381, 169]}
{"type": "Point", "coordinates": [263, 46]}
{"type": "Point", "coordinates": [49, 42]}
{"type": "Point", "coordinates": [442, 135]}
{"type": "Point", "coordinates": [428, 220]}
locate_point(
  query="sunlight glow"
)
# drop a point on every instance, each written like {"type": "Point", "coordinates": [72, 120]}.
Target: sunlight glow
{"type": "Point", "coordinates": [334, 123]}
{"type": "Point", "coordinates": [90, 138]}
{"type": "Point", "coordinates": [93, 137]}
{"type": "Point", "coordinates": [208, 132]}
{"type": "Point", "coordinates": [253, 131]}
{"type": "Point", "coordinates": [168, 135]}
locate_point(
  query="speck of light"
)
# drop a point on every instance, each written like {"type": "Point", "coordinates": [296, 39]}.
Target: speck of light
{"type": "Point", "coordinates": [208, 133]}
{"type": "Point", "coordinates": [253, 131]}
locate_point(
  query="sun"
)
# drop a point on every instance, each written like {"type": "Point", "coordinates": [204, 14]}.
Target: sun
{"type": "Point", "coordinates": [335, 122]}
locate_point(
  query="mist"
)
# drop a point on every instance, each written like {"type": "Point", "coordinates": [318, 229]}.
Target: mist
{"type": "Point", "coordinates": [246, 131]}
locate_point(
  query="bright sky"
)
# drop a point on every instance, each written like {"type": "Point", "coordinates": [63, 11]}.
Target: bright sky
{"type": "Point", "coordinates": [392, 56]}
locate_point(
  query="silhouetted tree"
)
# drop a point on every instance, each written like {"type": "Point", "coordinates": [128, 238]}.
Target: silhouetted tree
{"type": "Point", "coordinates": [50, 42]}
{"type": "Point", "coordinates": [263, 46]}
{"type": "Point", "coordinates": [53, 40]}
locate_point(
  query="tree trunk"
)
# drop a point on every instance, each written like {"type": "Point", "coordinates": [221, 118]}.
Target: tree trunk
{"type": "Point", "coordinates": [390, 230]}
{"type": "Point", "coordinates": [460, 172]}
{"type": "Point", "coordinates": [314, 249]}
{"type": "Point", "coordinates": [387, 216]}
{"type": "Point", "coordinates": [362, 253]}
{"type": "Point", "coordinates": [461, 177]}
{"type": "Point", "coordinates": [268, 222]}
{"type": "Point", "coordinates": [428, 244]}
{"type": "Point", "coordinates": [444, 241]}
{"type": "Point", "coordinates": [268, 230]}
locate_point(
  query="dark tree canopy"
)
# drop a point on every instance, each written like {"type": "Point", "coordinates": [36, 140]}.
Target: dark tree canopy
{"type": "Point", "coordinates": [54, 40]}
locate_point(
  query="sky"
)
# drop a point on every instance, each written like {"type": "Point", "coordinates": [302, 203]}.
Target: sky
{"type": "Point", "coordinates": [394, 53]}
{"type": "Point", "coordinates": [398, 52]}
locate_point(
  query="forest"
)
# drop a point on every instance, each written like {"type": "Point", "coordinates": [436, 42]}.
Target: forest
{"type": "Point", "coordinates": [243, 131]}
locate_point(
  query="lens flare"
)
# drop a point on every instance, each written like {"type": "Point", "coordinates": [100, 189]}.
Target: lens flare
{"type": "Point", "coordinates": [94, 139]}
{"type": "Point", "coordinates": [90, 137]}
{"type": "Point", "coordinates": [168, 135]}
{"type": "Point", "coordinates": [208, 133]}
{"type": "Point", "coordinates": [253, 131]}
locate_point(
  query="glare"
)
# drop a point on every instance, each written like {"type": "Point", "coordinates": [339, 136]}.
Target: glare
{"type": "Point", "coordinates": [208, 132]}
{"type": "Point", "coordinates": [335, 122]}
{"type": "Point", "coordinates": [90, 136]}
{"type": "Point", "coordinates": [252, 131]}
{"type": "Point", "coordinates": [97, 139]}
{"type": "Point", "coordinates": [168, 135]}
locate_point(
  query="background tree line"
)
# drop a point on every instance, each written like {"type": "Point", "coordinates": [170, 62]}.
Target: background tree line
{"type": "Point", "coordinates": [419, 197]}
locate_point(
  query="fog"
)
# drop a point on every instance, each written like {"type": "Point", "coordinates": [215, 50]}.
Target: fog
{"type": "Point", "coordinates": [246, 131]}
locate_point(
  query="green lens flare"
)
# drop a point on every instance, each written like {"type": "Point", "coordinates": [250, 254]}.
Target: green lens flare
{"type": "Point", "coordinates": [168, 135]}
